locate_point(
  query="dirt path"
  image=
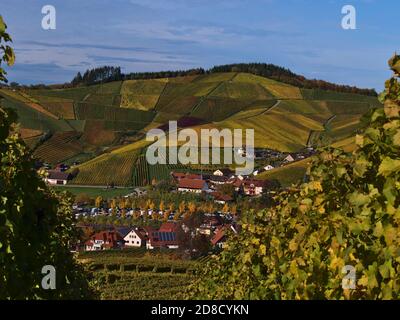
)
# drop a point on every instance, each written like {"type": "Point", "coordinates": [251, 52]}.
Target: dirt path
{"type": "Point", "coordinates": [262, 112]}
{"type": "Point", "coordinates": [202, 98]}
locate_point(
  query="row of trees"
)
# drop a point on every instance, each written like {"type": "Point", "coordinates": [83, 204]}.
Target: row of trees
{"type": "Point", "coordinates": [184, 207]}
{"type": "Point", "coordinates": [98, 75]}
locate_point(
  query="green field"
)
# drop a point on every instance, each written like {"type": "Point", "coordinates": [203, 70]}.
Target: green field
{"type": "Point", "coordinates": [94, 192]}
{"type": "Point", "coordinates": [288, 174]}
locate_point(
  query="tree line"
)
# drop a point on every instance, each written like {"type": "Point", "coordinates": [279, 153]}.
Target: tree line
{"type": "Point", "coordinates": [286, 76]}
{"type": "Point", "coordinates": [108, 74]}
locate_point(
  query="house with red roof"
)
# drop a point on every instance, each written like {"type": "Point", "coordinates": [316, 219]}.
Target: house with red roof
{"type": "Point", "coordinates": [219, 237]}
{"type": "Point", "coordinates": [104, 240]}
{"type": "Point", "coordinates": [236, 182]}
{"type": "Point", "coordinates": [253, 187]}
{"type": "Point", "coordinates": [164, 237]}
{"type": "Point", "coordinates": [221, 198]}
{"type": "Point", "coordinates": [192, 185]}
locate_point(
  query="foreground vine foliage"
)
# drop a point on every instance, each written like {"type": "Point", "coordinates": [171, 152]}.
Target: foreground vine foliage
{"type": "Point", "coordinates": [347, 214]}
{"type": "Point", "coordinates": [36, 224]}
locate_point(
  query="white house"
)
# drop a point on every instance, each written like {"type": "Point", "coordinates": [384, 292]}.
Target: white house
{"type": "Point", "coordinates": [135, 238]}
{"type": "Point", "coordinates": [289, 158]}
{"type": "Point", "coordinates": [268, 167]}
{"type": "Point", "coordinates": [223, 172]}
{"type": "Point", "coordinates": [57, 177]}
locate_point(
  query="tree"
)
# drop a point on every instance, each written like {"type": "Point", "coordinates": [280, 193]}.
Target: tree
{"type": "Point", "coordinates": [234, 210]}
{"type": "Point", "coordinates": [36, 223]}
{"type": "Point", "coordinates": [225, 209]}
{"type": "Point", "coordinates": [113, 206]}
{"type": "Point", "coordinates": [192, 207]}
{"type": "Point", "coordinates": [122, 205]}
{"type": "Point", "coordinates": [6, 52]}
{"type": "Point", "coordinates": [99, 201]}
{"type": "Point", "coordinates": [162, 206]}
{"type": "Point", "coordinates": [166, 215]}
{"type": "Point", "coordinates": [346, 217]}
{"type": "Point", "coordinates": [182, 207]}
{"type": "Point", "coordinates": [227, 189]}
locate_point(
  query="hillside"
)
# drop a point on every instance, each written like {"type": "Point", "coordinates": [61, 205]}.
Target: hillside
{"type": "Point", "coordinates": [105, 123]}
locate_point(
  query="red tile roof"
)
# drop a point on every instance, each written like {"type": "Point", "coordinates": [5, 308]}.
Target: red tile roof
{"type": "Point", "coordinates": [221, 197]}
{"type": "Point", "coordinates": [110, 238]}
{"type": "Point", "coordinates": [168, 227]}
{"type": "Point", "coordinates": [220, 234]}
{"type": "Point", "coordinates": [191, 183]}
{"type": "Point", "coordinates": [235, 182]}
{"type": "Point", "coordinates": [194, 176]}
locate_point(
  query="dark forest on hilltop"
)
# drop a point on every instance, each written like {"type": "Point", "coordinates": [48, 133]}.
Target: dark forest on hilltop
{"type": "Point", "coordinates": [108, 74]}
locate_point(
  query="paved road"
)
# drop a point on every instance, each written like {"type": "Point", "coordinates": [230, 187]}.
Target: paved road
{"type": "Point", "coordinates": [90, 186]}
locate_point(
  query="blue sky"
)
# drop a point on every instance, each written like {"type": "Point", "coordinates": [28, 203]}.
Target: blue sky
{"type": "Point", "coordinates": [153, 35]}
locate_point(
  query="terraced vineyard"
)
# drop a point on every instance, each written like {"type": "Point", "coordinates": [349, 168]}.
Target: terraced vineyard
{"type": "Point", "coordinates": [141, 94]}
{"type": "Point", "coordinates": [143, 286]}
{"type": "Point", "coordinates": [139, 274]}
{"type": "Point", "coordinates": [61, 146]}
{"type": "Point", "coordinates": [283, 116]}
{"type": "Point", "coordinates": [145, 173]}
{"type": "Point", "coordinates": [110, 168]}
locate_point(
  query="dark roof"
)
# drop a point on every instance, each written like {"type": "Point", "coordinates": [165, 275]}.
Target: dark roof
{"type": "Point", "coordinates": [163, 238]}
{"type": "Point", "coordinates": [178, 175]}
{"type": "Point", "coordinates": [57, 175]}
{"type": "Point", "coordinates": [191, 183]}
{"type": "Point", "coordinates": [123, 231]}
{"type": "Point", "coordinates": [255, 183]}
{"type": "Point", "coordinates": [218, 178]}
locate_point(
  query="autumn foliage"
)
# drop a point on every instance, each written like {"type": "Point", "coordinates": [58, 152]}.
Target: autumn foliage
{"type": "Point", "coordinates": [348, 214]}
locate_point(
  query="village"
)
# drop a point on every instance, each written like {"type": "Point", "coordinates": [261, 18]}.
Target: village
{"type": "Point", "coordinates": [137, 221]}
